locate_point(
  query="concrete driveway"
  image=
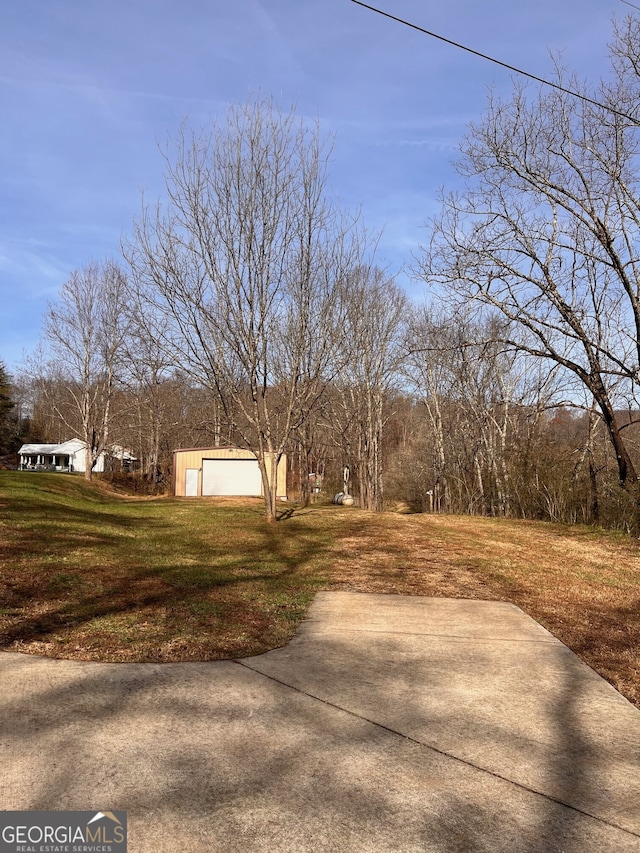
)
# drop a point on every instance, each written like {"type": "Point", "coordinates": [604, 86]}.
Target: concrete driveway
{"type": "Point", "coordinates": [390, 723]}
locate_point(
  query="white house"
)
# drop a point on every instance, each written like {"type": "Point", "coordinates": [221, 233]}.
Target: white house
{"type": "Point", "coordinates": [68, 456]}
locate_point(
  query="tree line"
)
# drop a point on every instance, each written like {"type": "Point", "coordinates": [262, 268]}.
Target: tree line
{"type": "Point", "coordinates": [458, 426]}
{"type": "Point", "coordinates": [248, 309]}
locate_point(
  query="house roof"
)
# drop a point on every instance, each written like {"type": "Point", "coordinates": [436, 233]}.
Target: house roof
{"type": "Point", "coordinates": [68, 448]}
{"type": "Point", "coordinates": [65, 449]}
{"type": "Point", "coordinates": [71, 446]}
{"type": "Point", "coordinates": [120, 452]}
{"type": "Point", "coordinates": [45, 449]}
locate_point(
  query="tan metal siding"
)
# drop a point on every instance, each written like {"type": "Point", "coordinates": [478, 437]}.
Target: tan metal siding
{"type": "Point", "coordinates": [192, 458]}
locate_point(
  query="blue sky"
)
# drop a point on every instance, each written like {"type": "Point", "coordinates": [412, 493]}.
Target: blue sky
{"type": "Point", "coordinates": [89, 90]}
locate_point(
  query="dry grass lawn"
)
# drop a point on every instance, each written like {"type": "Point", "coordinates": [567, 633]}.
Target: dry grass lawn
{"type": "Point", "coordinates": [90, 575]}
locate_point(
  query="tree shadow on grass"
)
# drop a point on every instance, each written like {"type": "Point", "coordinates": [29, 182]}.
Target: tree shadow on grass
{"type": "Point", "coordinates": [224, 756]}
{"type": "Point", "coordinates": [204, 599]}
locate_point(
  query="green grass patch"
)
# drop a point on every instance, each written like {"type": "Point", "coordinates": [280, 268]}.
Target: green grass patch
{"type": "Point", "coordinates": [93, 575]}
{"type": "Point", "coordinates": [78, 563]}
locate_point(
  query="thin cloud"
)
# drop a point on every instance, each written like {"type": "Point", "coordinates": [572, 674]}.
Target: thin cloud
{"type": "Point", "coordinates": [431, 144]}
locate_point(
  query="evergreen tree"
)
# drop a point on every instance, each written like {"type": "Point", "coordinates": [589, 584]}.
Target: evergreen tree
{"type": "Point", "coordinates": [7, 421]}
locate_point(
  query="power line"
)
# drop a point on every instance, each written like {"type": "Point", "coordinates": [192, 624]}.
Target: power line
{"type": "Point", "coordinates": [633, 6]}
{"type": "Point", "coordinates": [497, 61]}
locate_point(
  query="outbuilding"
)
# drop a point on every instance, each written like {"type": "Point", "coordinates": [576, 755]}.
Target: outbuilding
{"type": "Point", "coordinates": [217, 471]}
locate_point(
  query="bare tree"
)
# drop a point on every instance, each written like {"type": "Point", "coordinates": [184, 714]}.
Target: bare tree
{"type": "Point", "coordinates": [482, 403]}
{"type": "Point", "coordinates": [371, 343]}
{"type": "Point", "coordinates": [547, 231]}
{"type": "Point", "coordinates": [83, 341]}
{"type": "Point", "coordinates": [241, 273]}
{"type": "Point", "coordinates": [428, 370]}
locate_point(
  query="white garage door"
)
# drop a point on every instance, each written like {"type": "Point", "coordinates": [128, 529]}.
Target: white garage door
{"type": "Point", "coordinates": [231, 477]}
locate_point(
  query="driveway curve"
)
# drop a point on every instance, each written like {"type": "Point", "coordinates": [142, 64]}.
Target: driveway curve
{"type": "Point", "coordinates": [389, 723]}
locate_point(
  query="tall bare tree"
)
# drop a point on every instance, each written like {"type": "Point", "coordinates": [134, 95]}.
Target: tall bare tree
{"type": "Point", "coordinates": [547, 231]}
{"type": "Point", "coordinates": [480, 399]}
{"type": "Point", "coordinates": [371, 343]}
{"type": "Point", "coordinates": [241, 272]}
{"type": "Point", "coordinates": [82, 349]}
